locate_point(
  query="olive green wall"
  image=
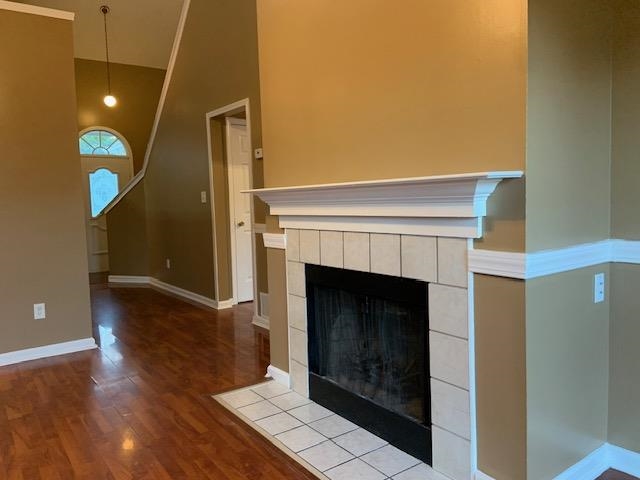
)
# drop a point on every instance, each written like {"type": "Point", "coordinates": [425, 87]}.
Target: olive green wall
{"type": "Point", "coordinates": [568, 123]}
{"type": "Point", "coordinates": [43, 253]}
{"type": "Point", "coordinates": [138, 92]}
{"type": "Point", "coordinates": [217, 64]}
{"type": "Point", "coordinates": [567, 371]}
{"type": "Point", "coordinates": [501, 393]}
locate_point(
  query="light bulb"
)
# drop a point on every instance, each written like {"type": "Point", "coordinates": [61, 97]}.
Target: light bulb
{"type": "Point", "coordinates": [110, 101]}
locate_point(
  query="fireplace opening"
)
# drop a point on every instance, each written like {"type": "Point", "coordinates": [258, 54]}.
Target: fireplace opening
{"type": "Point", "coordinates": [368, 353]}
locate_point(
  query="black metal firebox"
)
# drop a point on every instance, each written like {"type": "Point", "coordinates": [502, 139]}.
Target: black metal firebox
{"type": "Point", "coordinates": [369, 353]}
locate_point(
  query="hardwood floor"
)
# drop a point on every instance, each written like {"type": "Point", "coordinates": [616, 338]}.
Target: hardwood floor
{"type": "Point", "coordinates": [140, 408]}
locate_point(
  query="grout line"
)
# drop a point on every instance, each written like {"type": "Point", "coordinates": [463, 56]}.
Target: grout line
{"type": "Point", "coordinates": [448, 334]}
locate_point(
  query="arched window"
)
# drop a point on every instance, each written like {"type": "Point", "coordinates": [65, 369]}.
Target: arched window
{"type": "Point", "coordinates": [102, 142]}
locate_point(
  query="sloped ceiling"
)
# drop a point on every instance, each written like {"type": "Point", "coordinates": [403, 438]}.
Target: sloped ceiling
{"type": "Point", "coordinates": [141, 32]}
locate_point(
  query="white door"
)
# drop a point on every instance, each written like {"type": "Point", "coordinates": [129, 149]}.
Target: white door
{"type": "Point", "coordinates": [239, 168]}
{"type": "Point", "coordinates": [103, 178]}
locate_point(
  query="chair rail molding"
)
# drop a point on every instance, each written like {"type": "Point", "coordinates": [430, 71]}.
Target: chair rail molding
{"type": "Point", "coordinates": [444, 205]}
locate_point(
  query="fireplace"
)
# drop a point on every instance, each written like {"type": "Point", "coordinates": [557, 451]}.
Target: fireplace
{"type": "Point", "coordinates": [369, 353]}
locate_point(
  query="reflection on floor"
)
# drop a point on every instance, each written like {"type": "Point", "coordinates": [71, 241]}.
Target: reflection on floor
{"type": "Point", "coordinates": [141, 406]}
{"type": "Point", "coordinates": [324, 442]}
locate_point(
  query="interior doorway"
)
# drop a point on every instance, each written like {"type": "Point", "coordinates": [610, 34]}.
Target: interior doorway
{"type": "Point", "coordinates": [107, 167]}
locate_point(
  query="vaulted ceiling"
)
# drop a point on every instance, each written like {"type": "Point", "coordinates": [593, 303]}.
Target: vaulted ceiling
{"type": "Point", "coordinates": [141, 32]}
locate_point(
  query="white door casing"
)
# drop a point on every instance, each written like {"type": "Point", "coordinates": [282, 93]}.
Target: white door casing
{"type": "Point", "coordinates": [239, 173]}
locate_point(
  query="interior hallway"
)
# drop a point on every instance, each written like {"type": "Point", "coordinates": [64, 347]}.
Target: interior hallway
{"type": "Point", "coordinates": [140, 407]}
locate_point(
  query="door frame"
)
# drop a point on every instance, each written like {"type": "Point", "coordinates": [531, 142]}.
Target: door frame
{"type": "Point", "coordinates": [228, 111]}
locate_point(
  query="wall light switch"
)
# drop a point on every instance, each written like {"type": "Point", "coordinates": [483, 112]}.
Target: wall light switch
{"type": "Point", "coordinates": [258, 153]}
{"type": "Point", "coordinates": [203, 197]}
{"type": "Point", "coordinates": [598, 288]}
{"type": "Point", "coordinates": [39, 312]}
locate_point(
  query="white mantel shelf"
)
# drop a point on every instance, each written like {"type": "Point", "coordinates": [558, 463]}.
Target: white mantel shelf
{"type": "Point", "coordinates": [445, 205]}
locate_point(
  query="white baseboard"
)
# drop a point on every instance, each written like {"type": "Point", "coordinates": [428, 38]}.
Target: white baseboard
{"type": "Point", "coordinates": [478, 475]}
{"type": "Point", "coordinates": [602, 459]}
{"type": "Point", "coordinates": [224, 304]}
{"type": "Point", "coordinates": [260, 321]}
{"type": "Point", "coordinates": [279, 376]}
{"type": "Point", "coordinates": [45, 351]}
{"type": "Point", "coordinates": [129, 279]}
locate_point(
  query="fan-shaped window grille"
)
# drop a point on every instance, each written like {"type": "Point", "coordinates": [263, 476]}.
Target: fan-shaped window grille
{"type": "Point", "coordinates": [101, 142]}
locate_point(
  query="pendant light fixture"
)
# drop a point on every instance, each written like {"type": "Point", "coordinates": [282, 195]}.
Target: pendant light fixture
{"type": "Point", "coordinates": [109, 100]}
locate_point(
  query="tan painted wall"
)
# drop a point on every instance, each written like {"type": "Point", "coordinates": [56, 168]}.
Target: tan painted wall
{"type": "Point", "coordinates": [217, 65]}
{"type": "Point", "coordinates": [567, 371]}
{"type": "Point", "coordinates": [42, 246]}
{"type": "Point", "coordinates": [138, 92]}
{"type": "Point", "coordinates": [500, 377]}
{"type": "Point", "coordinates": [127, 230]}
{"type": "Point", "coordinates": [568, 123]}
{"type": "Point", "coordinates": [624, 418]}
{"type": "Point", "coordinates": [368, 89]}
{"type": "Point", "coordinates": [625, 222]}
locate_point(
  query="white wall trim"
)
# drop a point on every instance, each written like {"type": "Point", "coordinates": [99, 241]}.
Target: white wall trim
{"type": "Point", "coordinates": [279, 376]}
{"type": "Point", "coordinates": [275, 240]}
{"type": "Point", "coordinates": [478, 475]}
{"type": "Point", "coordinates": [443, 205]}
{"type": "Point", "coordinates": [34, 10]}
{"type": "Point", "coordinates": [606, 457]}
{"type": "Point", "coordinates": [45, 351]}
{"type": "Point", "coordinates": [129, 279]}
{"type": "Point", "coordinates": [163, 96]}
{"type": "Point", "coordinates": [548, 262]}
{"type": "Point", "coordinates": [260, 321]}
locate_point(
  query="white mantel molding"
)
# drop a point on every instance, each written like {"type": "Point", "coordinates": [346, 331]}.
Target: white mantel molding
{"type": "Point", "coordinates": [526, 266]}
{"type": "Point", "coordinates": [445, 205]}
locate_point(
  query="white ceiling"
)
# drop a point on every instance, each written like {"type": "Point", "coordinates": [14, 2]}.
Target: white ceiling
{"type": "Point", "coordinates": [141, 32]}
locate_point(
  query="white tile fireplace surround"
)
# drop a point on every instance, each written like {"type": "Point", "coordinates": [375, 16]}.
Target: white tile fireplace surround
{"type": "Point", "coordinates": [418, 228]}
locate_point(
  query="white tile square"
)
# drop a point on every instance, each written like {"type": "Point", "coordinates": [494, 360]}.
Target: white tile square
{"type": "Point", "coordinates": [419, 258]}
{"type": "Point", "coordinates": [298, 312]}
{"type": "Point", "coordinates": [259, 410]}
{"type": "Point", "coordinates": [359, 442]}
{"type": "Point", "coordinates": [241, 398]}
{"type": "Point", "coordinates": [300, 438]}
{"type": "Point", "coordinates": [278, 423]}
{"type": "Point", "coordinates": [450, 408]}
{"type": "Point", "coordinates": [331, 249]}
{"type": "Point", "coordinates": [310, 412]}
{"type": "Point", "coordinates": [356, 251]}
{"type": "Point", "coordinates": [385, 254]}
{"type": "Point", "coordinates": [298, 345]}
{"type": "Point", "coordinates": [293, 244]}
{"type": "Point", "coordinates": [270, 389]}
{"type": "Point", "coordinates": [325, 456]}
{"type": "Point", "coordinates": [451, 454]}
{"type": "Point", "coordinates": [390, 460]}
{"type": "Point", "coordinates": [354, 470]}
{"type": "Point", "coordinates": [300, 378]}
{"type": "Point", "coordinates": [449, 310]}
{"type": "Point", "coordinates": [333, 426]}
{"type": "Point", "coordinates": [420, 472]}
{"type": "Point", "coordinates": [449, 358]}
{"type": "Point", "coordinates": [310, 246]}
{"type": "Point", "coordinates": [452, 261]}
{"type": "Point", "coordinates": [289, 400]}
{"type": "Point", "coordinates": [296, 279]}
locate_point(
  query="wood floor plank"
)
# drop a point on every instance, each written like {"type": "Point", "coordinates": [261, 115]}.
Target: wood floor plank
{"type": "Point", "coordinates": [140, 407]}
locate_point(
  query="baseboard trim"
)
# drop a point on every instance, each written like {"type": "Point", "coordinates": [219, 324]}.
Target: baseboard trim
{"type": "Point", "coordinates": [260, 321]}
{"type": "Point", "coordinates": [129, 279]}
{"type": "Point", "coordinates": [45, 351]}
{"type": "Point", "coordinates": [279, 376]}
{"type": "Point", "coordinates": [478, 475]}
{"type": "Point", "coordinates": [224, 304]}
{"type": "Point", "coordinates": [602, 459]}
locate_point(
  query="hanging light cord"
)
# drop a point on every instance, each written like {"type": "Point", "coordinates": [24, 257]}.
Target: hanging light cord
{"type": "Point", "coordinates": [105, 10]}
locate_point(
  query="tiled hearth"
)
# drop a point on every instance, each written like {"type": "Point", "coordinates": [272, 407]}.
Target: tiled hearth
{"type": "Point", "coordinates": [440, 261]}
{"type": "Point", "coordinates": [325, 443]}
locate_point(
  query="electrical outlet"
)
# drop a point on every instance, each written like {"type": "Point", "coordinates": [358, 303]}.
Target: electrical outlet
{"type": "Point", "coordinates": [203, 197]}
{"type": "Point", "coordinates": [168, 263]}
{"type": "Point", "coordinates": [598, 288]}
{"type": "Point", "coordinates": [39, 312]}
